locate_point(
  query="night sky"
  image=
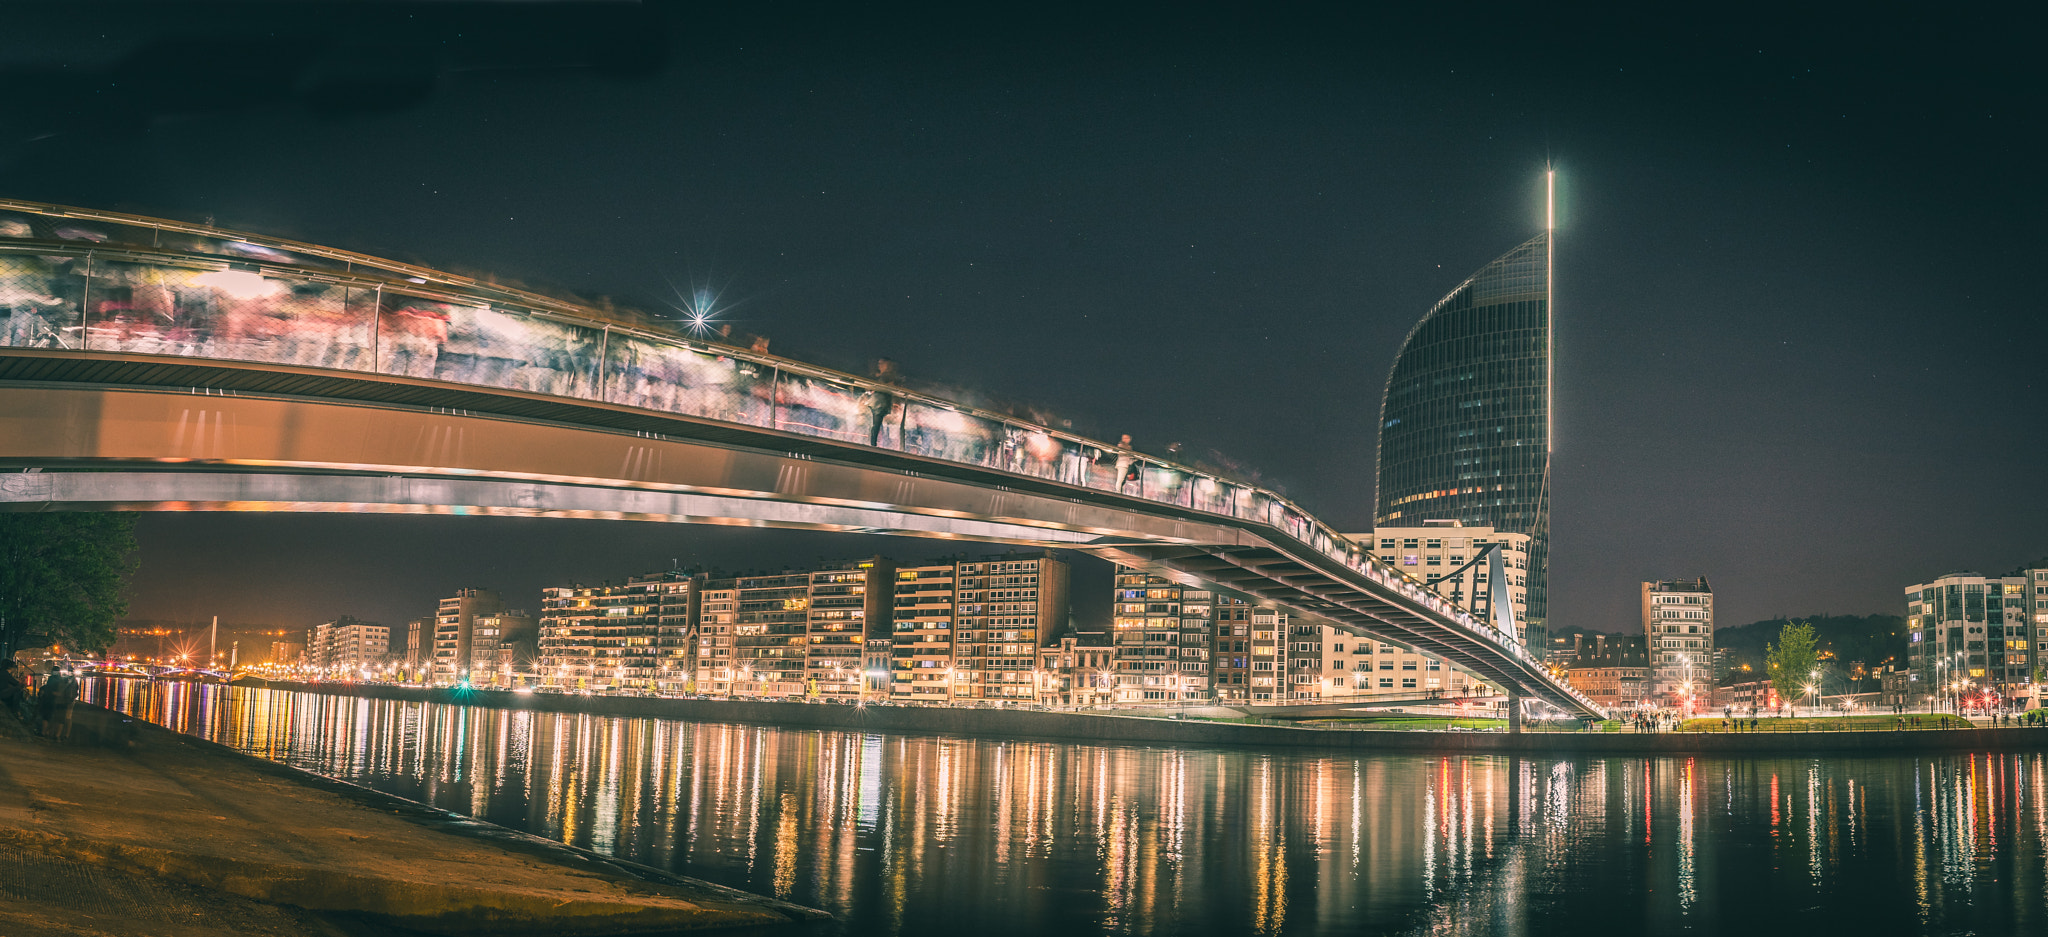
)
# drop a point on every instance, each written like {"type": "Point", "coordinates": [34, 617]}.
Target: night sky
{"type": "Point", "coordinates": [1799, 326]}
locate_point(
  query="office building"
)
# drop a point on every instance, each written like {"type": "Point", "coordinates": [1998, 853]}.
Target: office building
{"type": "Point", "coordinates": [1464, 425]}
{"type": "Point", "coordinates": [1678, 624]}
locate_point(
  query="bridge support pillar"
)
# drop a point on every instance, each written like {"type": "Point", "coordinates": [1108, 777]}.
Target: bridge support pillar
{"type": "Point", "coordinates": [1514, 713]}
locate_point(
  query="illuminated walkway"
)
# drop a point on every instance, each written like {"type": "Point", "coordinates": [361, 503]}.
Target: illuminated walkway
{"type": "Point", "coordinates": [155, 365]}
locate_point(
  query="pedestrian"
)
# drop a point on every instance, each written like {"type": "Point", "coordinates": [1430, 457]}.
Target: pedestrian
{"type": "Point", "coordinates": [14, 690]}
{"type": "Point", "coordinates": [54, 704]}
{"type": "Point", "coordinates": [1126, 463]}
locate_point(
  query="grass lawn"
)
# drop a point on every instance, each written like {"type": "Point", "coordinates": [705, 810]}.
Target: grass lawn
{"type": "Point", "coordinates": [1834, 723]}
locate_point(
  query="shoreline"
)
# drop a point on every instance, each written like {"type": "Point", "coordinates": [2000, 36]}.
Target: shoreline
{"type": "Point", "coordinates": [246, 845]}
{"type": "Point", "coordinates": [1009, 724]}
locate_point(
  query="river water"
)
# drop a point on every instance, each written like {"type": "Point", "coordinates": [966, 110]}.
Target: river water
{"type": "Point", "coordinates": [926, 835]}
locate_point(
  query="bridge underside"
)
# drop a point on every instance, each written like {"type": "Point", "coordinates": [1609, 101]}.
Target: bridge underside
{"type": "Point", "coordinates": [106, 432]}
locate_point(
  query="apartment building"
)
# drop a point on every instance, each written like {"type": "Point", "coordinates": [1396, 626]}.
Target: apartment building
{"type": "Point", "coordinates": [502, 644]}
{"type": "Point", "coordinates": [1268, 655]}
{"type": "Point", "coordinates": [416, 659]}
{"type": "Point", "coordinates": [921, 635]}
{"type": "Point", "coordinates": [346, 644]}
{"type": "Point", "coordinates": [713, 659]}
{"type": "Point", "coordinates": [454, 631]}
{"type": "Point", "coordinates": [1078, 670]}
{"type": "Point", "coordinates": [1325, 663]}
{"type": "Point", "coordinates": [971, 629]}
{"type": "Point", "coordinates": [635, 636]}
{"type": "Point", "coordinates": [1164, 635]}
{"type": "Point", "coordinates": [1230, 667]}
{"type": "Point", "coordinates": [771, 634]}
{"type": "Point", "coordinates": [1678, 626]}
{"type": "Point", "coordinates": [1968, 632]}
{"type": "Point", "coordinates": [1007, 606]}
{"type": "Point", "coordinates": [1612, 670]}
{"type": "Point", "coordinates": [1433, 553]}
{"type": "Point", "coordinates": [846, 599]}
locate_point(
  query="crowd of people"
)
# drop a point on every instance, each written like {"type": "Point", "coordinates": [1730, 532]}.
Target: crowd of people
{"type": "Point", "coordinates": [44, 706]}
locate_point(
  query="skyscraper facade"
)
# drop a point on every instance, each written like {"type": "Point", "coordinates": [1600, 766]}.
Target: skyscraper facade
{"type": "Point", "coordinates": [1465, 421]}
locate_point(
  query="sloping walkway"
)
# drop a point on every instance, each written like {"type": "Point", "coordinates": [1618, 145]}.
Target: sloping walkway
{"type": "Point", "coordinates": [133, 829]}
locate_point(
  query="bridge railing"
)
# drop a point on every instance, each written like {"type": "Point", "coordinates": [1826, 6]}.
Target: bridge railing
{"type": "Point", "coordinates": [95, 281]}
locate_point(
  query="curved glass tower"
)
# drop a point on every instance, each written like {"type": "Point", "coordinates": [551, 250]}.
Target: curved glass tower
{"type": "Point", "coordinates": [1465, 423]}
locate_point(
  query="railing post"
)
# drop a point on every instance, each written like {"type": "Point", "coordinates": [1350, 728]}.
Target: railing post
{"type": "Point", "coordinates": [85, 306]}
{"type": "Point", "coordinates": [377, 329]}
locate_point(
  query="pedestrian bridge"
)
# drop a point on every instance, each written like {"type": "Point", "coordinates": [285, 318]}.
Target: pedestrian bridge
{"type": "Point", "coordinates": [149, 365]}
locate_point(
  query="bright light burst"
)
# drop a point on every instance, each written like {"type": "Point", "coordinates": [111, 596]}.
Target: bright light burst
{"type": "Point", "coordinates": [699, 307]}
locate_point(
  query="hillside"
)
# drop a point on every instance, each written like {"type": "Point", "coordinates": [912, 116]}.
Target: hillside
{"type": "Point", "coordinates": [1842, 639]}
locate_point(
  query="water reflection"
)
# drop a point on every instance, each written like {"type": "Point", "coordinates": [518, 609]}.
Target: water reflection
{"type": "Point", "coordinates": [928, 835]}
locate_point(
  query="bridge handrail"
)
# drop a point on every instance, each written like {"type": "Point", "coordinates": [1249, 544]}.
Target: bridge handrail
{"type": "Point", "coordinates": [270, 300]}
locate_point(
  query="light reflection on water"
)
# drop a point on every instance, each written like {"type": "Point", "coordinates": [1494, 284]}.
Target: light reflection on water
{"type": "Point", "coordinates": [932, 835]}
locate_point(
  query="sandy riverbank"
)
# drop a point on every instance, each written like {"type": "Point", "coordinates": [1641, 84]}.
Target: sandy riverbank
{"type": "Point", "coordinates": [134, 829]}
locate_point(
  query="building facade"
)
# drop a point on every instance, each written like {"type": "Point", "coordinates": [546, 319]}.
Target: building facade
{"type": "Point", "coordinates": [637, 636]}
{"type": "Point", "coordinates": [1464, 425]}
{"type": "Point", "coordinates": [921, 634]}
{"type": "Point", "coordinates": [714, 657]}
{"type": "Point", "coordinates": [1164, 632]}
{"type": "Point", "coordinates": [1008, 606]}
{"type": "Point", "coordinates": [502, 646]}
{"type": "Point", "coordinates": [1327, 664]}
{"type": "Point", "coordinates": [771, 633]}
{"type": "Point", "coordinates": [1613, 670]}
{"type": "Point", "coordinates": [1967, 634]}
{"type": "Point", "coordinates": [345, 645]}
{"type": "Point", "coordinates": [1433, 551]}
{"type": "Point", "coordinates": [1678, 625]}
{"type": "Point", "coordinates": [847, 601]}
{"type": "Point", "coordinates": [973, 629]}
{"type": "Point", "coordinates": [454, 631]}
{"type": "Point", "coordinates": [1230, 663]}
{"type": "Point", "coordinates": [1077, 670]}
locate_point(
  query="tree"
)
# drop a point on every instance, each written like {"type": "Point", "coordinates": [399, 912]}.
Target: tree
{"type": "Point", "coordinates": [62, 575]}
{"type": "Point", "coordinates": [1792, 661]}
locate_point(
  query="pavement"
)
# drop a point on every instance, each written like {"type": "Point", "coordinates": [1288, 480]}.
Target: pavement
{"type": "Point", "coordinates": [131, 829]}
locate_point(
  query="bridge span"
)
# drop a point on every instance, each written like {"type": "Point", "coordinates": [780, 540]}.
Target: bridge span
{"type": "Point", "coordinates": [159, 366]}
